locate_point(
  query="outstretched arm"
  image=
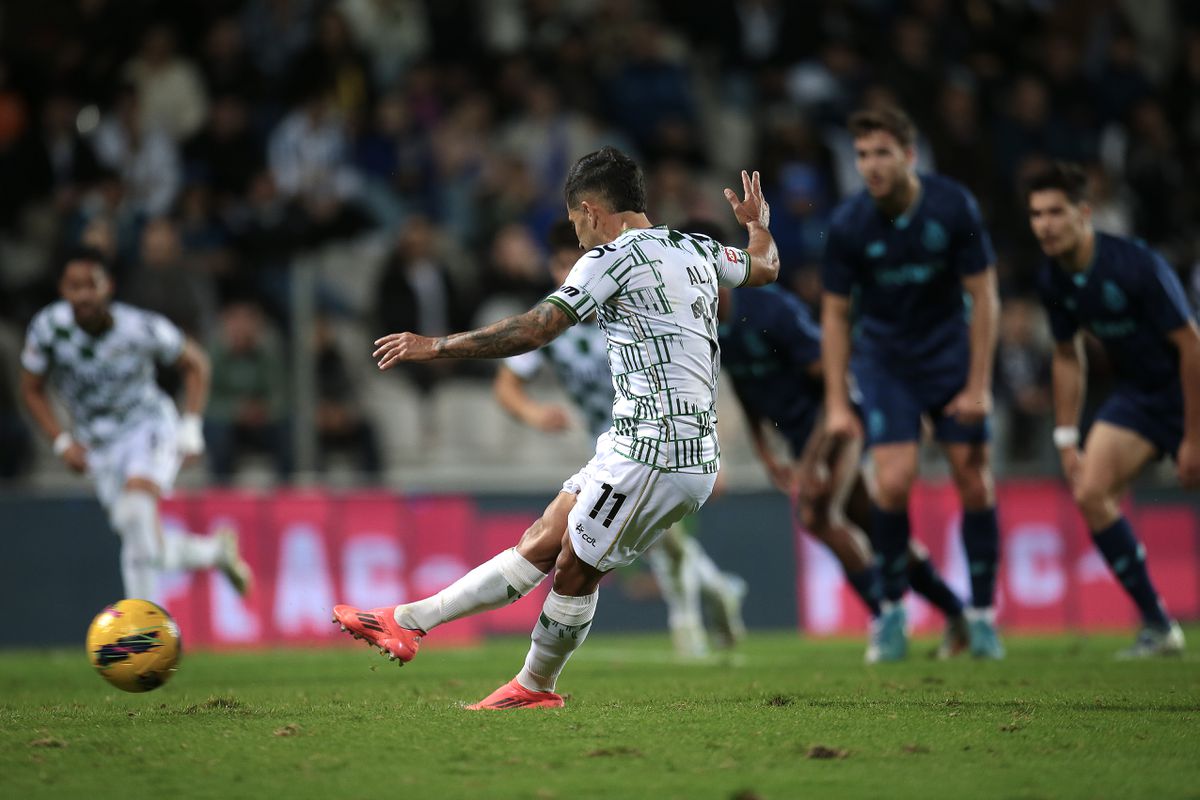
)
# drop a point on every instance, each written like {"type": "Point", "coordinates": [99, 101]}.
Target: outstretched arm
{"type": "Point", "coordinates": [753, 212]}
{"type": "Point", "coordinates": [508, 337]}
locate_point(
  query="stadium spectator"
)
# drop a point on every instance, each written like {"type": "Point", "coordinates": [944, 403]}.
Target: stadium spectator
{"type": "Point", "coordinates": [170, 90]}
{"type": "Point", "coordinates": [247, 408]}
{"type": "Point", "coordinates": [146, 158]}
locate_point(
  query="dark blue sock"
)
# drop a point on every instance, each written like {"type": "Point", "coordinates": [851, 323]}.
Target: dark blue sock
{"type": "Point", "coordinates": [889, 537]}
{"type": "Point", "coordinates": [981, 540]}
{"type": "Point", "coordinates": [926, 582]}
{"type": "Point", "coordinates": [1127, 559]}
{"type": "Point", "coordinates": [868, 585]}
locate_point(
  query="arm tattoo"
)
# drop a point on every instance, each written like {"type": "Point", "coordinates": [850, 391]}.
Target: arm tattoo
{"type": "Point", "coordinates": [508, 337]}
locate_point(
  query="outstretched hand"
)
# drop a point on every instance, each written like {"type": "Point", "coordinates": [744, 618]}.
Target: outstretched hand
{"type": "Point", "coordinates": [397, 347]}
{"type": "Point", "coordinates": [753, 207]}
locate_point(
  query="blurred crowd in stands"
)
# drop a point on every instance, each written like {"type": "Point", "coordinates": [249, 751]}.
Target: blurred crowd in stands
{"type": "Point", "coordinates": [205, 145]}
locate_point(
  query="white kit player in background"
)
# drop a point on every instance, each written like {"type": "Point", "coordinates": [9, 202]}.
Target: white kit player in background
{"type": "Point", "coordinates": [654, 292]}
{"type": "Point", "coordinates": [125, 433]}
{"type": "Point", "coordinates": [687, 577]}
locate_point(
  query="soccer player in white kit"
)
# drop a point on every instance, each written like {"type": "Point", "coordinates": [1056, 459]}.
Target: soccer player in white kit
{"type": "Point", "coordinates": [125, 432]}
{"type": "Point", "coordinates": [687, 576]}
{"type": "Point", "coordinates": [654, 292]}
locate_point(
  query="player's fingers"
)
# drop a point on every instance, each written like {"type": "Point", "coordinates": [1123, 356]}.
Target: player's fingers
{"type": "Point", "coordinates": [756, 182]}
{"type": "Point", "coordinates": [732, 197]}
{"type": "Point", "coordinates": [391, 337]}
{"type": "Point", "coordinates": [746, 184]}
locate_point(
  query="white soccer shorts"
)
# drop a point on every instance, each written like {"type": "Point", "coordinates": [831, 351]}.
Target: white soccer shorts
{"type": "Point", "coordinates": [622, 507]}
{"type": "Point", "coordinates": [147, 449]}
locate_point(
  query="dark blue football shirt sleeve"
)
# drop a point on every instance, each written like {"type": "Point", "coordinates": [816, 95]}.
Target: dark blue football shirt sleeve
{"type": "Point", "coordinates": [1165, 301]}
{"type": "Point", "coordinates": [972, 250]}
{"type": "Point", "coordinates": [837, 273]}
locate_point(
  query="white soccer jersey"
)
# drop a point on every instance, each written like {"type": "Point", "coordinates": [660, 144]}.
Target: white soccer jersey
{"type": "Point", "coordinates": [654, 292]}
{"type": "Point", "coordinates": [106, 381]}
{"type": "Point", "coordinates": [579, 358]}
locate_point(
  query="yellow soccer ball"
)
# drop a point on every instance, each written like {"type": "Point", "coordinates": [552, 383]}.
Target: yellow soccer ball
{"type": "Point", "coordinates": [134, 645]}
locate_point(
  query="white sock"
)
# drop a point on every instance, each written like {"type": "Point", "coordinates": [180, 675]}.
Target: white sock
{"type": "Point", "coordinates": [189, 551]}
{"type": "Point", "coordinates": [135, 517]}
{"type": "Point", "coordinates": [680, 588]}
{"type": "Point", "coordinates": [562, 627]}
{"type": "Point", "coordinates": [505, 579]}
{"type": "Point", "coordinates": [707, 574]}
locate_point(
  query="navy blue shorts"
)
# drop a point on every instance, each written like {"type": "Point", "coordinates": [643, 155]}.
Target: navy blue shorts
{"type": "Point", "coordinates": [892, 406]}
{"type": "Point", "coordinates": [1157, 418]}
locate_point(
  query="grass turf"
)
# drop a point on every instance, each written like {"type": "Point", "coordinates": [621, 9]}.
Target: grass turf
{"type": "Point", "coordinates": [784, 718]}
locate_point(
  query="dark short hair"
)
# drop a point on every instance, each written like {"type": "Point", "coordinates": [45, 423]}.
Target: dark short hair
{"type": "Point", "coordinates": [1070, 179]}
{"type": "Point", "coordinates": [888, 119]}
{"type": "Point", "coordinates": [561, 236]}
{"type": "Point", "coordinates": [82, 253]}
{"type": "Point", "coordinates": [611, 176]}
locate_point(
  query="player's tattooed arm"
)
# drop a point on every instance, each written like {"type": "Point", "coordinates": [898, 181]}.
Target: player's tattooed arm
{"type": "Point", "coordinates": [508, 337]}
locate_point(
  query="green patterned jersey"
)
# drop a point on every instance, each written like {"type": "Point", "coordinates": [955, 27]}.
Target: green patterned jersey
{"type": "Point", "coordinates": [106, 381]}
{"type": "Point", "coordinates": [654, 293]}
{"type": "Point", "coordinates": [579, 358]}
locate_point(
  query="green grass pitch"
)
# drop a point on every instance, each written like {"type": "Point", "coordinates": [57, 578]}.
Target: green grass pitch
{"type": "Point", "coordinates": [784, 718]}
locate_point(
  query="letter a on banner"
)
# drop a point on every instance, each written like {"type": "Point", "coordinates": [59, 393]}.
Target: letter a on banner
{"type": "Point", "coordinates": [304, 584]}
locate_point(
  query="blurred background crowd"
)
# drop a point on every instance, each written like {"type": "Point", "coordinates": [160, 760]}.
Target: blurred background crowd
{"type": "Point", "coordinates": [407, 159]}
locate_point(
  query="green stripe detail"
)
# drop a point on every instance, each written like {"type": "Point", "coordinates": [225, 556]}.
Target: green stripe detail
{"type": "Point", "coordinates": [570, 312]}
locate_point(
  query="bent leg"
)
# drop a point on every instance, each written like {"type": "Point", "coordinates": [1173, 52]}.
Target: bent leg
{"type": "Point", "coordinates": [564, 622]}
{"type": "Point", "coordinates": [134, 515]}
{"type": "Point", "coordinates": [1112, 457]}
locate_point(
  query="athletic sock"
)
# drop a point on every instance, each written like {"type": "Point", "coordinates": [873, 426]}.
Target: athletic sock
{"type": "Point", "coordinates": [981, 540]}
{"type": "Point", "coordinates": [868, 585]}
{"type": "Point", "coordinates": [707, 574]}
{"type": "Point", "coordinates": [680, 588]}
{"type": "Point", "coordinates": [561, 628]}
{"type": "Point", "coordinates": [925, 581]}
{"type": "Point", "coordinates": [1127, 559]}
{"type": "Point", "coordinates": [504, 579]}
{"type": "Point", "coordinates": [188, 551]}
{"type": "Point", "coordinates": [135, 517]}
{"type": "Point", "coordinates": [889, 536]}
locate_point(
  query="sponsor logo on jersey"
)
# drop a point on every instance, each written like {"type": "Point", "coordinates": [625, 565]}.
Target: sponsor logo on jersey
{"type": "Point", "coordinates": [732, 256]}
{"type": "Point", "coordinates": [934, 236]}
{"type": "Point", "coordinates": [1114, 298]}
{"type": "Point", "coordinates": [876, 249]}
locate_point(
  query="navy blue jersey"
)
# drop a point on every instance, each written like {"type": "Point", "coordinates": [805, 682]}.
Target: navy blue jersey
{"type": "Point", "coordinates": [1130, 299]}
{"type": "Point", "coordinates": [769, 342]}
{"type": "Point", "coordinates": [905, 275]}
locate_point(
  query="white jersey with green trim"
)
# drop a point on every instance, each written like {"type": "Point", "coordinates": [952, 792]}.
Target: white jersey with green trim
{"type": "Point", "coordinates": [654, 293]}
{"type": "Point", "coordinates": [107, 381]}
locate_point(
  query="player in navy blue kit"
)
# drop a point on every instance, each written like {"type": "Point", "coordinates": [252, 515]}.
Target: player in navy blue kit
{"type": "Point", "coordinates": [771, 349]}
{"type": "Point", "coordinates": [908, 248]}
{"type": "Point", "coordinates": [1129, 298]}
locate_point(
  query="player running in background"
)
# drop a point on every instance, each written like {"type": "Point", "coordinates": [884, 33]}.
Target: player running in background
{"type": "Point", "coordinates": [654, 292]}
{"type": "Point", "coordinates": [907, 249]}
{"type": "Point", "coordinates": [685, 573]}
{"type": "Point", "coordinates": [1130, 299]}
{"type": "Point", "coordinates": [125, 433]}
{"type": "Point", "coordinates": [771, 349]}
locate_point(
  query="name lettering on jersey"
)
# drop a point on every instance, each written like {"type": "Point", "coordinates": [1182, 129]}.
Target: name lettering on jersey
{"type": "Point", "coordinates": [699, 275]}
{"type": "Point", "coordinates": [907, 275]}
{"type": "Point", "coordinates": [1113, 329]}
{"type": "Point", "coordinates": [597, 252]}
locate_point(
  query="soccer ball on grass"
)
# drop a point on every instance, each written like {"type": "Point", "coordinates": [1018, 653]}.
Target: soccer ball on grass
{"type": "Point", "coordinates": [134, 645]}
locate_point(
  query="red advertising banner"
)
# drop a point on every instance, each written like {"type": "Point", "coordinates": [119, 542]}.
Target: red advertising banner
{"type": "Point", "coordinates": [1051, 577]}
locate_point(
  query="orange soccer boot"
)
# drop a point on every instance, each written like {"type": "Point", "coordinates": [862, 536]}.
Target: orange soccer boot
{"type": "Point", "coordinates": [514, 695]}
{"type": "Point", "coordinates": [378, 628]}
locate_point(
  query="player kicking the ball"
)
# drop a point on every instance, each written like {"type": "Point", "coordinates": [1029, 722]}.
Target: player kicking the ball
{"type": "Point", "coordinates": [654, 292]}
{"type": "Point", "coordinates": [125, 432]}
{"type": "Point", "coordinates": [1129, 298]}
{"type": "Point", "coordinates": [687, 577]}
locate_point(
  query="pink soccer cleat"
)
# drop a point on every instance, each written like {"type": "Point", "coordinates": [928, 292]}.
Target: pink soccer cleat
{"type": "Point", "coordinates": [378, 628]}
{"type": "Point", "coordinates": [514, 695]}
